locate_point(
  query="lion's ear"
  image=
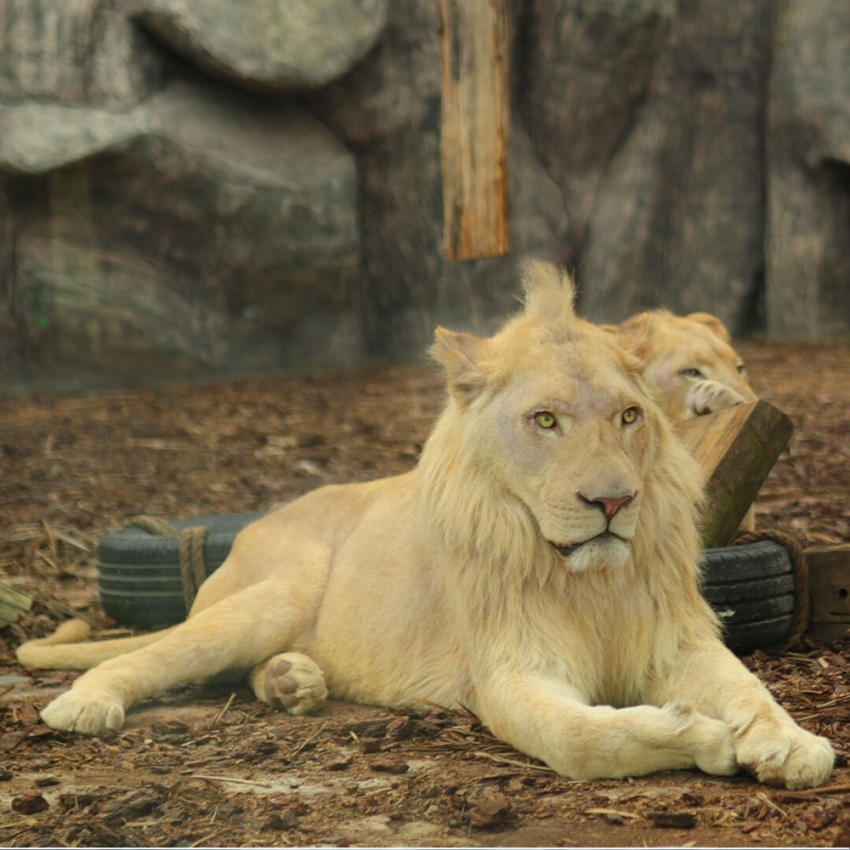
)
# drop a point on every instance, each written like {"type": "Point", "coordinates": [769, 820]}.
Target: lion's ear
{"type": "Point", "coordinates": [462, 356]}
{"type": "Point", "coordinates": [637, 331]}
{"type": "Point", "coordinates": [712, 323]}
{"type": "Point", "coordinates": [548, 292]}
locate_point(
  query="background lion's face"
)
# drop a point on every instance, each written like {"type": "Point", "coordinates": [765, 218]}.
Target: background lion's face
{"type": "Point", "coordinates": [572, 439]}
{"type": "Point", "coordinates": [680, 351]}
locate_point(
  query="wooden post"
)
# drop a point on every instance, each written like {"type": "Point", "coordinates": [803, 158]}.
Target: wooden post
{"type": "Point", "coordinates": [829, 582]}
{"type": "Point", "coordinates": [475, 116]}
{"type": "Point", "coordinates": [736, 449]}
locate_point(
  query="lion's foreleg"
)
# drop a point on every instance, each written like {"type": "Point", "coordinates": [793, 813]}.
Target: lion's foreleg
{"type": "Point", "coordinates": [543, 718]}
{"type": "Point", "coordinates": [768, 743]}
{"type": "Point", "coordinates": [234, 634]}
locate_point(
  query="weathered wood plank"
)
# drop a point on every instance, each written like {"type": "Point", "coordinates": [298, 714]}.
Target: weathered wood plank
{"type": "Point", "coordinates": [736, 449]}
{"type": "Point", "coordinates": [475, 116]}
{"type": "Point", "coordinates": [829, 582]}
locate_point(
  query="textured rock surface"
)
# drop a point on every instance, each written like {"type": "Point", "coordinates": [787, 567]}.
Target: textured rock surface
{"type": "Point", "coordinates": [808, 249]}
{"type": "Point", "coordinates": [281, 45]}
{"type": "Point", "coordinates": [203, 188]}
{"type": "Point", "coordinates": [388, 110]}
{"type": "Point", "coordinates": [75, 51]}
{"type": "Point", "coordinates": [221, 237]}
{"type": "Point", "coordinates": [649, 113]}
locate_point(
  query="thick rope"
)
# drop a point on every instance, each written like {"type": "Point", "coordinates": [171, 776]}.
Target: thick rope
{"type": "Point", "coordinates": [154, 525]}
{"type": "Point", "coordinates": [800, 571]}
{"type": "Point", "coordinates": [193, 570]}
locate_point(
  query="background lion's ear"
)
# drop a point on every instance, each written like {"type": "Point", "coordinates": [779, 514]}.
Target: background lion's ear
{"type": "Point", "coordinates": [548, 292]}
{"type": "Point", "coordinates": [462, 356]}
{"type": "Point", "coordinates": [712, 323]}
{"type": "Point", "coordinates": [636, 332]}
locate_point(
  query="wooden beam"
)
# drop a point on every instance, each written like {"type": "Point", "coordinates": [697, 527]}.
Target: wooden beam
{"type": "Point", "coordinates": [475, 115]}
{"type": "Point", "coordinates": [736, 449]}
{"type": "Point", "coordinates": [829, 582]}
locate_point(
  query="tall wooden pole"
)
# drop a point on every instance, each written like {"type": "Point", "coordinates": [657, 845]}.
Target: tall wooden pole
{"type": "Point", "coordinates": [475, 117]}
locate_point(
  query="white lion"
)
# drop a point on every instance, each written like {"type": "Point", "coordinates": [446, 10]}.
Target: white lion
{"type": "Point", "coordinates": [688, 363]}
{"type": "Point", "coordinates": [539, 566]}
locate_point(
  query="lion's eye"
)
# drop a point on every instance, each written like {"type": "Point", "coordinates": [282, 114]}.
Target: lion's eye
{"type": "Point", "coordinates": [690, 373]}
{"type": "Point", "coordinates": [741, 368]}
{"type": "Point", "coordinates": [630, 415]}
{"type": "Point", "coordinates": [545, 420]}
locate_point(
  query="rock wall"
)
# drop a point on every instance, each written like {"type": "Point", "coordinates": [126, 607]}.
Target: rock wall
{"type": "Point", "coordinates": [199, 189]}
{"type": "Point", "coordinates": [808, 187]}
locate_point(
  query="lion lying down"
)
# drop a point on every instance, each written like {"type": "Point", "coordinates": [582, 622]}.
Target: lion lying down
{"type": "Point", "coordinates": [539, 567]}
{"type": "Point", "coordinates": [687, 362]}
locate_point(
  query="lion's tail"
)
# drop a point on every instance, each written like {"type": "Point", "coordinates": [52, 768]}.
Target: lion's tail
{"type": "Point", "coordinates": [63, 649]}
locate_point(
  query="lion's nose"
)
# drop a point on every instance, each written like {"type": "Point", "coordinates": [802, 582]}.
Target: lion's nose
{"type": "Point", "coordinates": [609, 505]}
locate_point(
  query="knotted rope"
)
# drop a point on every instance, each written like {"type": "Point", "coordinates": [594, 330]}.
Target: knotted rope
{"type": "Point", "coordinates": [193, 570]}
{"type": "Point", "coordinates": [799, 570]}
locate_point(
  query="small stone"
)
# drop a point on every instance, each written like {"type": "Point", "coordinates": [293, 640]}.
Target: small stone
{"type": "Point", "coordinates": [30, 803]}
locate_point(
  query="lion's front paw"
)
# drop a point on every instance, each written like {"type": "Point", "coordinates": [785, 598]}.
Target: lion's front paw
{"type": "Point", "coordinates": [291, 681]}
{"type": "Point", "coordinates": [709, 741]}
{"type": "Point", "coordinates": [786, 756]}
{"type": "Point", "coordinates": [90, 714]}
{"type": "Point", "coordinates": [710, 397]}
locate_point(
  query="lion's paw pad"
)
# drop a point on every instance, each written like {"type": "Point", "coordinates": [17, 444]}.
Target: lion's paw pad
{"type": "Point", "coordinates": [295, 683]}
{"type": "Point", "coordinates": [84, 713]}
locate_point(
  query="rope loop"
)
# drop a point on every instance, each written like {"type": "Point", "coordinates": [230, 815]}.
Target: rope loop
{"type": "Point", "coordinates": [193, 570]}
{"type": "Point", "coordinates": [154, 525]}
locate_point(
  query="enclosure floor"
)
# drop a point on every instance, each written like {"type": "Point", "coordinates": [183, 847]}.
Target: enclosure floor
{"type": "Point", "coordinates": [196, 767]}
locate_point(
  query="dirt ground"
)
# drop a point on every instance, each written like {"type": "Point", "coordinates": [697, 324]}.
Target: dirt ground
{"type": "Point", "coordinates": [211, 766]}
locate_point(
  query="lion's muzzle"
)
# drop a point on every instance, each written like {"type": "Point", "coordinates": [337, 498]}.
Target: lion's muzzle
{"type": "Point", "coordinates": [568, 549]}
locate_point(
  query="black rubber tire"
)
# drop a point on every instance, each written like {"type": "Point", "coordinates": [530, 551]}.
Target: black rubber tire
{"type": "Point", "coordinates": [138, 573]}
{"type": "Point", "coordinates": [751, 587]}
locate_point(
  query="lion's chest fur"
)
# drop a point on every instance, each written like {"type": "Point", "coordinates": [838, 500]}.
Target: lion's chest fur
{"type": "Point", "coordinates": [597, 633]}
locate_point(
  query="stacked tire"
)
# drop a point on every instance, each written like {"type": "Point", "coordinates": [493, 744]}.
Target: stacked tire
{"type": "Point", "coordinates": [138, 573]}
{"type": "Point", "coordinates": [751, 587]}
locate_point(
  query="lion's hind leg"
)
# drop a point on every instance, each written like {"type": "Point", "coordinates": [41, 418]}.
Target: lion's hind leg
{"type": "Point", "coordinates": [290, 681]}
{"type": "Point", "coordinates": [231, 636]}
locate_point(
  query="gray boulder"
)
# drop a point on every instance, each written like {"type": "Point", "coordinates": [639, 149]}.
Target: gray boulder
{"type": "Point", "coordinates": [211, 235]}
{"type": "Point", "coordinates": [277, 44]}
